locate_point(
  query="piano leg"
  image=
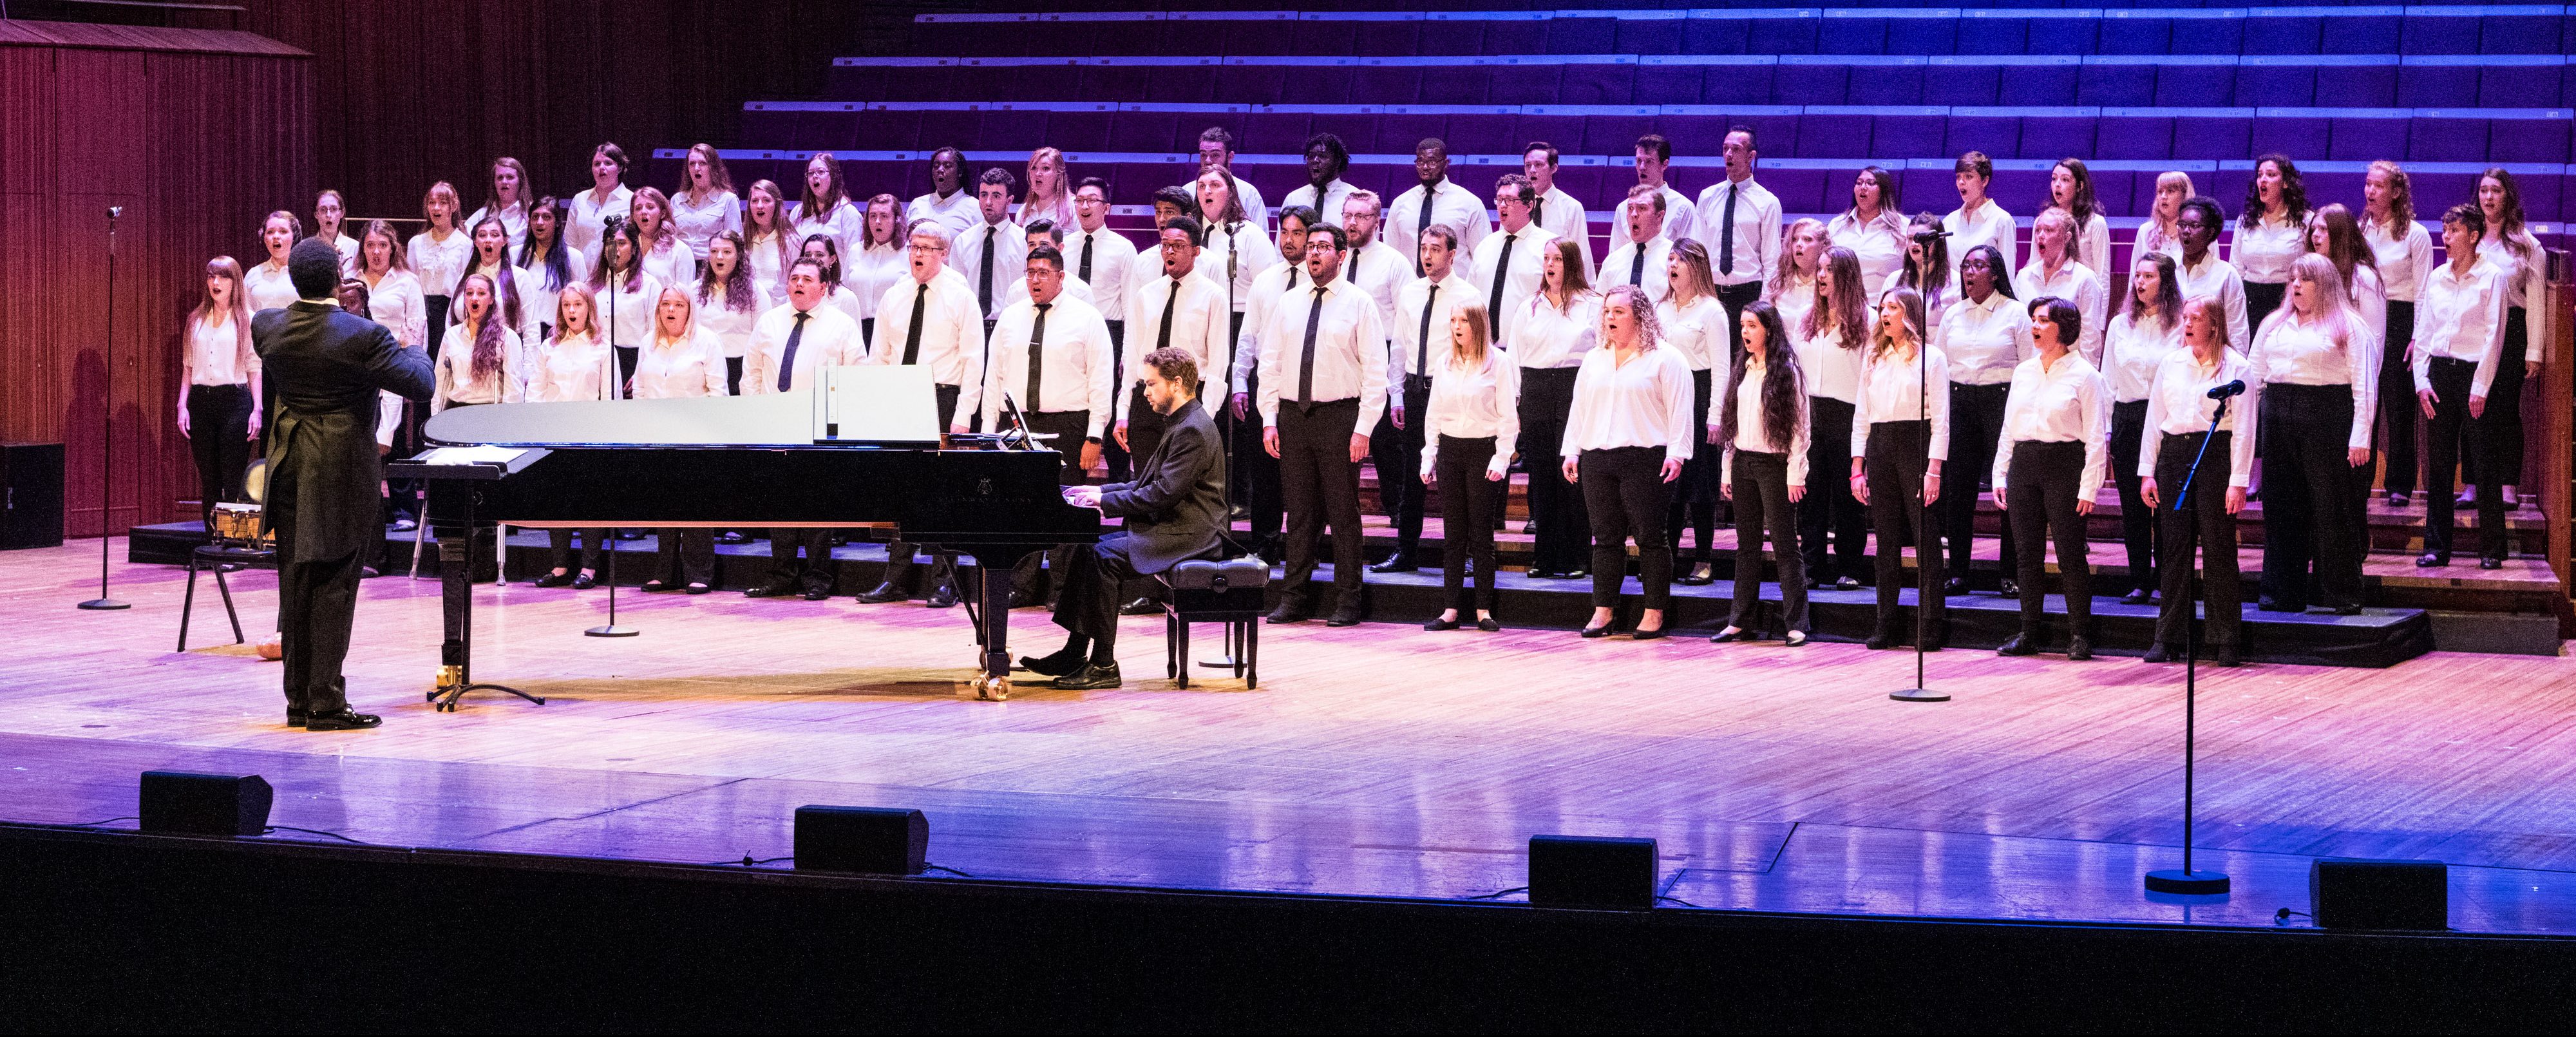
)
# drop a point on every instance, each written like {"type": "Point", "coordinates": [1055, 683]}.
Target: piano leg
{"type": "Point", "coordinates": [456, 602]}
{"type": "Point", "coordinates": [993, 681]}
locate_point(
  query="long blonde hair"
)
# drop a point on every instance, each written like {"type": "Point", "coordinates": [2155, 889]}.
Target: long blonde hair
{"type": "Point", "coordinates": [238, 312]}
{"type": "Point", "coordinates": [2334, 304]}
{"type": "Point", "coordinates": [1788, 270]}
{"type": "Point", "coordinates": [1912, 302]}
{"type": "Point", "coordinates": [1480, 336]}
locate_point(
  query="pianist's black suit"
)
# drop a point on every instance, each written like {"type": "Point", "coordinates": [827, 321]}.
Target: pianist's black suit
{"type": "Point", "coordinates": [1175, 510]}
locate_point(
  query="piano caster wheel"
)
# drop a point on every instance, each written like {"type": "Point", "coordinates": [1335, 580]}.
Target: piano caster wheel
{"type": "Point", "coordinates": [993, 689]}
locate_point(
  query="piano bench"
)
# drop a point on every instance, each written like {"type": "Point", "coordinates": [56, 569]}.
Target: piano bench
{"type": "Point", "coordinates": [1228, 592]}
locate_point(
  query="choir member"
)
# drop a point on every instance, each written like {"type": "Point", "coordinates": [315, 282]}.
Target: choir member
{"type": "Point", "coordinates": [1689, 317]}
{"type": "Point", "coordinates": [1045, 233]}
{"type": "Point", "coordinates": [1928, 271]}
{"type": "Point", "coordinates": [1049, 197]}
{"type": "Point", "coordinates": [1557, 326]}
{"type": "Point", "coordinates": [2521, 270]}
{"type": "Point", "coordinates": [948, 204]}
{"type": "Point", "coordinates": [2320, 369]}
{"type": "Point", "coordinates": [1178, 311]}
{"type": "Point", "coordinates": [1468, 426]}
{"type": "Point", "coordinates": [1216, 151]}
{"type": "Point", "coordinates": [790, 346]}
{"type": "Point", "coordinates": [1983, 338]}
{"type": "Point", "coordinates": [706, 205]}
{"type": "Point", "coordinates": [994, 250]}
{"type": "Point", "coordinates": [1051, 356]}
{"type": "Point", "coordinates": [2455, 374]}
{"type": "Point", "coordinates": [1740, 222]}
{"type": "Point", "coordinates": [1643, 250]}
{"type": "Point", "coordinates": [1324, 190]}
{"type": "Point", "coordinates": [1422, 309]}
{"type": "Point", "coordinates": [219, 387]}
{"type": "Point", "coordinates": [1435, 200]}
{"type": "Point", "coordinates": [2048, 471]}
{"type": "Point", "coordinates": [574, 363]}
{"type": "Point", "coordinates": [626, 314]}
{"type": "Point", "coordinates": [1654, 156]}
{"type": "Point", "coordinates": [1256, 470]}
{"type": "Point", "coordinates": [665, 258]}
{"type": "Point", "coordinates": [1505, 265]}
{"type": "Point", "coordinates": [393, 300]}
{"type": "Point", "coordinates": [2070, 187]}
{"type": "Point", "coordinates": [438, 257]}
{"type": "Point", "coordinates": [1626, 439]}
{"type": "Point", "coordinates": [1793, 284]}
{"type": "Point", "coordinates": [1763, 429]}
{"type": "Point", "coordinates": [492, 260]}
{"type": "Point", "coordinates": [2162, 230]}
{"type": "Point", "coordinates": [1323, 385]}
{"type": "Point", "coordinates": [2336, 235]}
{"type": "Point", "coordinates": [876, 260]}
{"type": "Point", "coordinates": [825, 207]}
{"type": "Point", "coordinates": [836, 292]}
{"type": "Point", "coordinates": [1900, 439]}
{"type": "Point", "coordinates": [2203, 274]}
{"type": "Point", "coordinates": [1372, 264]}
{"type": "Point", "coordinates": [1105, 258]}
{"type": "Point", "coordinates": [485, 368]}
{"type": "Point", "coordinates": [506, 199]}
{"type": "Point", "coordinates": [2177, 436]}
{"type": "Point", "coordinates": [1979, 219]}
{"type": "Point", "coordinates": [2133, 351]}
{"type": "Point", "coordinates": [267, 286]}
{"type": "Point", "coordinates": [330, 223]}
{"type": "Point", "coordinates": [351, 294]}
{"type": "Point", "coordinates": [682, 362]}
{"type": "Point", "coordinates": [728, 302]}
{"type": "Point", "coordinates": [2054, 270]}
{"type": "Point", "coordinates": [1555, 211]}
{"type": "Point", "coordinates": [1237, 250]}
{"type": "Point", "coordinates": [607, 198]}
{"type": "Point", "coordinates": [1381, 271]}
{"type": "Point", "coordinates": [771, 245]}
{"type": "Point", "coordinates": [929, 318]}
{"type": "Point", "coordinates": [1832, 339]}
{"type": "Point", "coordinates": [1873, 229]}
{"type": "Point", "coordinates": [2271, 231]}
{"type": "Point", "coordinates": [2403, 252]}
{"type": "Point", "coordinates": [546, 264]}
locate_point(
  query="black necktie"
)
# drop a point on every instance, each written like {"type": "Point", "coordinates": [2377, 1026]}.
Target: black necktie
{"type": "Point", "coordinates": [1170, 303]}
{"type": "Point", "coordinates": [1502, 275]}
{"type": "Point", "coordinates": [912, 333]}
{"type": "Point", "coordinates": [1037, 357]}
{"type": "Point", "coordinates": [1421, 226]}
{"type": "Point", "coordinates": [1637, 266]}
{"type": "Point", "coordinates": [1538, 211]}
{"type": "Point", "coordinates": [787, 364]}
{"type": "Point", "coordinates": [1422, 346]}
{"type": "Point", "coordinates": [1306, 367]}
{"type": "Point", "coordinates": [1726, 234]}
{"type": "Point", "coordinates": [984, 286]}
{"type": "Point", "coordinates": [1087, 239]}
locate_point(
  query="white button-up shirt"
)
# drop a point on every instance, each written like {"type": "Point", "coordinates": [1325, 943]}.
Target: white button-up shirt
{"type": "Point", "coordinates": [954, 213]}
{"type": "Point", "coordinates": [952, 334]}
{"type": "Point", "coordinates": [457, 383]}
{"type": "Point", "coordinates": [513, 217]}
{"type": "Point", "coordinates": [2063, 403]}
{"type": "Point", "coordinates": [1756, 232]}
{"type": "Point", "coordinates": [1452, 206]}
{"type": "Point", "coordinates": [1985, 341]}
{"type": "Point", "coordinates": [1379, 270]}
{"type": "Point", "coordinates": [2134, 350]}
{"type": "Point", "coordinates": [681, 368]}
{"type": "Point", "coordinates": [216, 352]}
{"type": "Point", "coordinates": [1329, 209]}
{"type": "Point", "coordinates": [1989, 225]}
{"type": "Point", "coordinates": [1010, 245]}
{"type": "Point", "coordinates": [1833, 369]}
{"type": "Point", "coordinates": [1645, 402]}
{"type": "Point", "coordinates": [1645, 262]}
{"type": "Point", "coordinates": [1422, 323]}
{"type": "Point", "coordinates": [1878, 244]}
{"type": "Point", "coordinates": [1112, 263]}
{"type": "Point", "coordinates": [1544, 336]}
{"type": "Point", "coordinates": [1560, 214]}
{"type": "Point", "coordinates": [1260, 303]}
{"type": "Point", "coordinates": [394, 301]}
{"type": "Point", "coordinates": [1200, 323]}
{"type": "Point", "coordinates": [1520, 278]}
{"type": "Point", "coordinates": [2460, 317]}
{"type": "Point", "coordinates": [867, 271]}
{"type": "Point", "coordinates": [1350, 353]}
{"type": "Point", "coordinates": [2295, 352]}
{"type": "Point", "coordinates": [626, 313]}
{"type": "Point", "coordinates": [1073, 364]}
{"type": "Point", "coordinates": [2263, 253]}
{"type": "Point", "coordinates": [831, 339]}
{"type": "Point", "coordinates": [1753, 430]}
{"type": "Point", "coordinates": [699, 224]}
{"type": "Point", "coordinates": [1472, 401]}
{"type": "Point", "coordinates": [729, 328]}
{"type": "Point", "coordinates": [2092, 244]}
{"type": "Point", "coordinates": [2180, 406]}
{"type": "Point", "coordinates": [570, 367]}
{"type": "Point", "coordinates": [1680, 219]}
{"type": "Point", "coordinates": [438, 264]}
{"type": "Point", "coordinates": [2076, 283]}
{"type": "Point", "coordinates": [540, 302]}
{"type": "Point", "coordinates": [1696, 331]}
{"type": "Point", "coordinates": [1891, 389]}
{"type": "Point", "coordinates": [2216, 279]}
{"type": "Point", "coordinates": [1235, 258]}
{"type": "Point", "coordinates": [589, 218]}
{"type": "Point", "coordinates": [2404, 257]}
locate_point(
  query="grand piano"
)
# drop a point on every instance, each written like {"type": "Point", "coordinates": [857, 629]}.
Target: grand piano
{"type": "Point", "coordinates": [739, 462]}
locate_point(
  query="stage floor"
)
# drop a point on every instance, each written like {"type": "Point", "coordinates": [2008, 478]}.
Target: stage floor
{"type": "Point", "coordinates": [1372, 760]}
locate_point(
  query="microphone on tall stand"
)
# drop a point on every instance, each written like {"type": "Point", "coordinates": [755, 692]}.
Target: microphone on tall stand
{"type": "Point", "coordinates": [2234, 388]}
{"type": "Point", "coordinates": [107, 427]}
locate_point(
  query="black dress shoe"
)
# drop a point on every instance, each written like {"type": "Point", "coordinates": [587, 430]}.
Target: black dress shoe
{"type": "Point", "coordinates": [1796, 639]}
{"type": "Point", "coordinates": [553, 580]}
{"type": "Point", "coordinates": [2399, 500]}
{"type": "Point", "coordinates": [1657, 634]}
{"type": "Point", "coordinates": [1880, 641]}
{"type": "Point", "coordinates": [770, 590]}
{"type": "Point", "coordinates": [1287, 613]}
{"type": "Point", "coordinates": [1847, 584]}
{"type": "Point", "coordinates": [341, 719]}
{"type": "Point", "coordinates": [1935, 643]}
{"type": "Point", "coordinates": [1091, 677]}
{"type": "Point", "coordinates": [732, 537]}
{"type": "Point", "coordinates": [2160, 652]}
{"type": "Point", "coordinates": [2347, 610]}
{"type": "Point", "coordinates": [882, 593]}
{"type": "Point", "coordinates": [2021, 644]}
{"type": "Point", "coordinates": [1143, 606]}
{"type": "Point", "coordinates": [1346, 616]}
{"type": "Point", "coordinates": [1438, 625]}
{"type": "Point", "coordinates": [1577, 574]}
{"type": "Point", "coordinates": [1700, 575]}
{"type": "Point", "coordinates": [1592, 632]}
{"type": "Point", "coordinates": [2079, 648]}
{"type": "Point", "coordinates": [698, 588]}
{"type": "Point", "coordinates": [1954, 586]}
{"type": "Point", "coordinates": [2490, 563]}
{"type": "Point", "coordinates": [1726, 636]}
{"type": "Point", "coordinates": [294, 717]}
{"type": "Point", "coordinates": [1400, 563]}
{"type": "Point", "coordinates": [656, 586]}
{"type": "Point", "coordinates": [2433, 560]}
{"type": "Point", "coordinates": [817, 595]}
{"type": "Point", "coordinates": [1490, 625]}
{"type": "Point", "coordinates": [941, 597]}
{"type": "Point", "coordinates": [2228, 656]}
{"type": "Point", "coordinates": [584, 582]}
{"type": "Point", "coordinates": [1064, 661]}
{"type": "Point", "coordinates": [2140, 596]}
{"type": "Point", "coordinates": [2008, 589]}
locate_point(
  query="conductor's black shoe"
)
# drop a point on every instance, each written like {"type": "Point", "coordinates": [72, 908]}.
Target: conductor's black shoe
{"type": "Point", "coordinates": [2277, 605]}
{"type": "Point", "coordinates": [1290, 613]}
{"type": "Point", "coordinates": [2160, 652]}
{"type": "Point", "coordinates": [2079, 648]}
{"type": "Point", "coordinates": [1064, 661]}
{"type": "Point", "coordinates": [882, 593]}
{"type": "Point", "coordinates": [2433, 560]}
{"type": "Point", "coordinates": [2009, 588]}
{"type": "Point", "coordinates": [294, 717]}
{"type": "Point", "coordinates": [817, 595]}
{"type": "Point", "coordinates": [2490, 563]}
{"type": "Point", "coordinates": [1091, 677]}
{"type": "Point", "coordinates": [2139, 596]}
{"type": "Point", "coordinates": [1345, 616]}
{"type": "Point", "coordinates": [2228, 656]}
{"type": "Point", "coordinates": [2021, 644]}
{"type": "Point", "coordinates": [770, 590]}
{"type": "Point", "coordinates": [1142, 606]}
{"type": "Point", "coordinates": [584, 582]}
{"type": "Point", "coordinates": [941, 597]}
{"type": "Point", "coordinates": [341, 719]}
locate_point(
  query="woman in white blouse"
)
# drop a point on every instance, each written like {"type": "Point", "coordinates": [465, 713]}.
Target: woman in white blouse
{"type": "Point", "coordinates": [1236, 251]}
{"type": "Point", "coordinates": [705, 206]}
{"type": "Point", "coordinates": [484, 366]}
{"type": "Point", "coordinates": [1763, 429]}
{"type": "Point", "coordinates": [2070, 187]}
{"type": "Point", "coordinates": [727, 304]}
{"type": "Point", "coordinates": [2161, 232]}
{"type": "Point", "coordinates": [2319, 366]}
{"type": "Point", "coordinates": [2270, 233]}
{"type": "Point", "coordinates": [1468, 428]}
{"type": "Point", "coordinates": [438, 256]}
{"type": "Point", "coordinates": [825, 206]}
{"type": "Point", "coordinates": [330, 223]}
{"type": "Point", "coordinates": [626, 315]}
{"type": "Point", "coordinates": [2178, 437]}
{"type": "Point", "coordinates": [393, 300]}
{"type": "Point", "coordinates": [492, 260]}
{"type": "Point", "coordinates": [1900, 437]}
{"type": "Point", "coordinates": [877, 260]}
{"type": "Point", "coordinates": [2205, 276]}
{"type": "Point", "coordinates": [506, 200]}
{"type": "Point", "coordinates": [2147, 327]}
{"type": "Point", "coordinates": [1984, 336]}
{"type": "Point", "coordinates": [1832, 338]}
{"type": "Point", "coordinates": [219, 387]}
{"type": "Point", "coordinates": [2048, 472]}
{"type": "Point", "coordinates": [1872, 229]}
{"type": "Point", "coordinates": [546, 264]}
{"type": "Point", "coordinates": [607, 198]}
{"type": "Point", "coordinates": [2521, 269]}
{"type": "Point", "coordinates": [2334, 234]}
{"type": "Point", "coordinates": [1694, 324]}
{"type": "Point", "coordinates": [574, 364]}
{"type": "Point", "coordinates": [1927, 271]}
{"type": "Point", "coordinates": [770, 243]}
{"type": "Point", "coordinates": [681, 363]}
{"type": "Point", "coordinates": [1049, 197]}
{"type": "Point", "coordinates": [821, 248]}
{"type": "Point", "coordinates": [266, 286]}
{"type": "Point", "coordinates": [1626, 439]}
{"type": "Point", "coordinates": [2454, 376]}
{"type": "Point", "coordinates": [665, 259]}
{"type": "Point", "coordinates": [1548, 338]}
{"type": "Point", "coordinates": [2403, 251]}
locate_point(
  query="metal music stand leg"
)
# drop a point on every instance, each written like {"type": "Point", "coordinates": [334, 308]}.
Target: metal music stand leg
{"type": "Point", "coordinates": [611, 629]}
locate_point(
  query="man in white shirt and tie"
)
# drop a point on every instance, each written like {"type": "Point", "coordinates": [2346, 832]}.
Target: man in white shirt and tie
{"type": "Point", "coordinates": [1255, 470]}
{"type": "Point", "coordinates": [1324, 191]}
{"type": "Point", "coordinates": [929, 318]}
{"type": "Point", "coordinates": [1508, 265]}
{"type": "Point", "coordinates": [991, 253]}
{"type": "Point", "coordinates": [1555, 211]}
{"type": "Point", "coordinates": [1421, 330]}
{"type": "Point", "coordinates": [790, 346]}
{"type": "Point", "coordinates": [1043, 231]}
{"type": "Point", "coordinates": [1434, 200]}
{"type": "Point", "coordinates": [1654, 158]}
{"type": "Point", "coordinates": [1323, 385]}
{"type": "Point", "coordinates": [948, 202]}
{"type": "Point", "coordinates": [1175, 311]}
{"type": "Point", "coordinates": [1216, 151]}
{"type": "Point", "coordinates": [1104, 259]}
{"type": "Point", "coordinates": [1643, 250]}
{"type": "Point", "coordinates": [1051, 356]}
{"type": "Point", "coordinates": [1376, 267]}
{"type": "Point", "coordinates": [1741, 221]}
{"type": "Point", "coordinates": [2052, 270]}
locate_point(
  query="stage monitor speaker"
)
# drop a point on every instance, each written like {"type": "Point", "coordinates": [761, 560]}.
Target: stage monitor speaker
{"type": "Point", "coordinates": [31, 495]}
{"type": "Point", "coordinates": [2345, 893]}
{"type": "Point", "coordinates": [182, 803]}
{"type": "Point", "coordinates": [867, 840]}
{"type": "Point", "coordinates": [1591, 872]}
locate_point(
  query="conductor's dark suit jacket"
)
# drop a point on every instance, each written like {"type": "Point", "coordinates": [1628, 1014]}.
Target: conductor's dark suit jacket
{"type": "Point", "coordinates": [323, 469]}
{"type": "Point", "coordinates": [1176, 507]}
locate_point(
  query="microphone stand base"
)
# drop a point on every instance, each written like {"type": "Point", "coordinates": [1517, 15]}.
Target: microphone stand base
{"type": "Point", "coordinates": [611, 631]}
{"type": "Point", "coordinates": [2187, 883]}
{"type": "Point", "coordinates": [104, 605]}
{"type": "Point", "coordinates": [1919, 695]}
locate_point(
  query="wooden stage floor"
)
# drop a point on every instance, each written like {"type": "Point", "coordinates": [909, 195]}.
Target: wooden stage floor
{"type": "Point", "coordinates": [1373, 760]}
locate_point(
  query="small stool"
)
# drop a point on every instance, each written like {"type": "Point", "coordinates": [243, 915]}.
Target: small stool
{"type": "Point", "coordinates": [1227, 592]}
{"type": "Point", "coordinates": [216, 557]}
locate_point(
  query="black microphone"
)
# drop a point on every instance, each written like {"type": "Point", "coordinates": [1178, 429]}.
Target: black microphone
{"type": "Point", "coordinates": [2233, 388]}
{"type": "Point", "coordinates": [1930, 236]}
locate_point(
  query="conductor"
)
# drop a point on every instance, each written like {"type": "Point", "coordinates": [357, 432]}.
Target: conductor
{"type": "Point", "coordinates": [1174, 511]}
{"type": "Point", "coordinates": [327, 365]}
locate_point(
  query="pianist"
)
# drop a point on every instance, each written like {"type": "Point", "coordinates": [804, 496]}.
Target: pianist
{"type": "Point", "coordinates": [1174, 510]}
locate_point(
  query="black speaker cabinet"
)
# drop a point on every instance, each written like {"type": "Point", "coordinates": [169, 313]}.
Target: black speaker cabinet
{"type": "Point", "coordinates": [184, 803]}
{"type": "Point", "coordinates": [1583, 871]}
{"type": "Point", "coordinates": [2344, 893]}
{"type": "Point", "coordinates": [868, 840]}
{"type": "Point", "coordinates": [31, 495]}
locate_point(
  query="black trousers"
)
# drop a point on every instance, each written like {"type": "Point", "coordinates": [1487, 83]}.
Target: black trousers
{"type": "Point", "coordinates": [2504, 406]}
{"type": "Point", "coordinates": [733, 379]}
{"type": "Point", "coordinates": [2399, 417]}
{"type": "Point", "coordinates": [2452, 433]}
{"type": "Point", "coordinates": [317, 603]}
{"type": "Point", "coordinates": [899, 555]}
{"type": "Point", "coordinates": [1118, 459]}
{"type": "Point", "coordinates": [434, 309]}
{"type": "Point", "coordinates": [2042, 488]}
{"type": "Point", "coordinates": [1321, 487]}
{"type": "Point", "coordinates": [1397, 454]}
{"type": "Point", "coordinates": [594, 544]}
{"type": "Point", "coordinates": [1547, 399]}
{"type": "Point", "coordinates": [685, 555]}
{"type": "Point", "coordinates": [1625, 493]}
{"type": "Point", "coordinates": [1830, 506]}
{"type": "Point", "coordinates": [2202, 521]}
{"type": "Point", "coordinates": [1976, 429]}
{"type": "Point", "coordinates": [2261, 298]}
{"type": "Point", "coordinates": [1070, 428]}
{"type": "Point", "coordinates": [2137, 520]}
{"type": "Point", "coordinates": [1898, 453]}
{"type": "Point", "coordinates": [1695, 496]}
{"type": "Point", "coordinates": [1734, 297]}
{"type": "Point", "coordinates": [1762, 499]}
{"type": "Point", "coordinates": [1258, 486]}
{"type": "Point", "coordinates": [1093, 575]}
{"type": "Point", "coordinates": [1466, 520]}
{"type": "Point", "coordinates": [2307, 497]}
{"type": "Point", "coordinates": [812, 571]}
{"type": "Point", "coordinates": [219, 441]}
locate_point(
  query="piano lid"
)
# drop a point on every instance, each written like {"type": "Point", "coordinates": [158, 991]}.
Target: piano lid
{"type": "Point", "coordinates": [772, 420]}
